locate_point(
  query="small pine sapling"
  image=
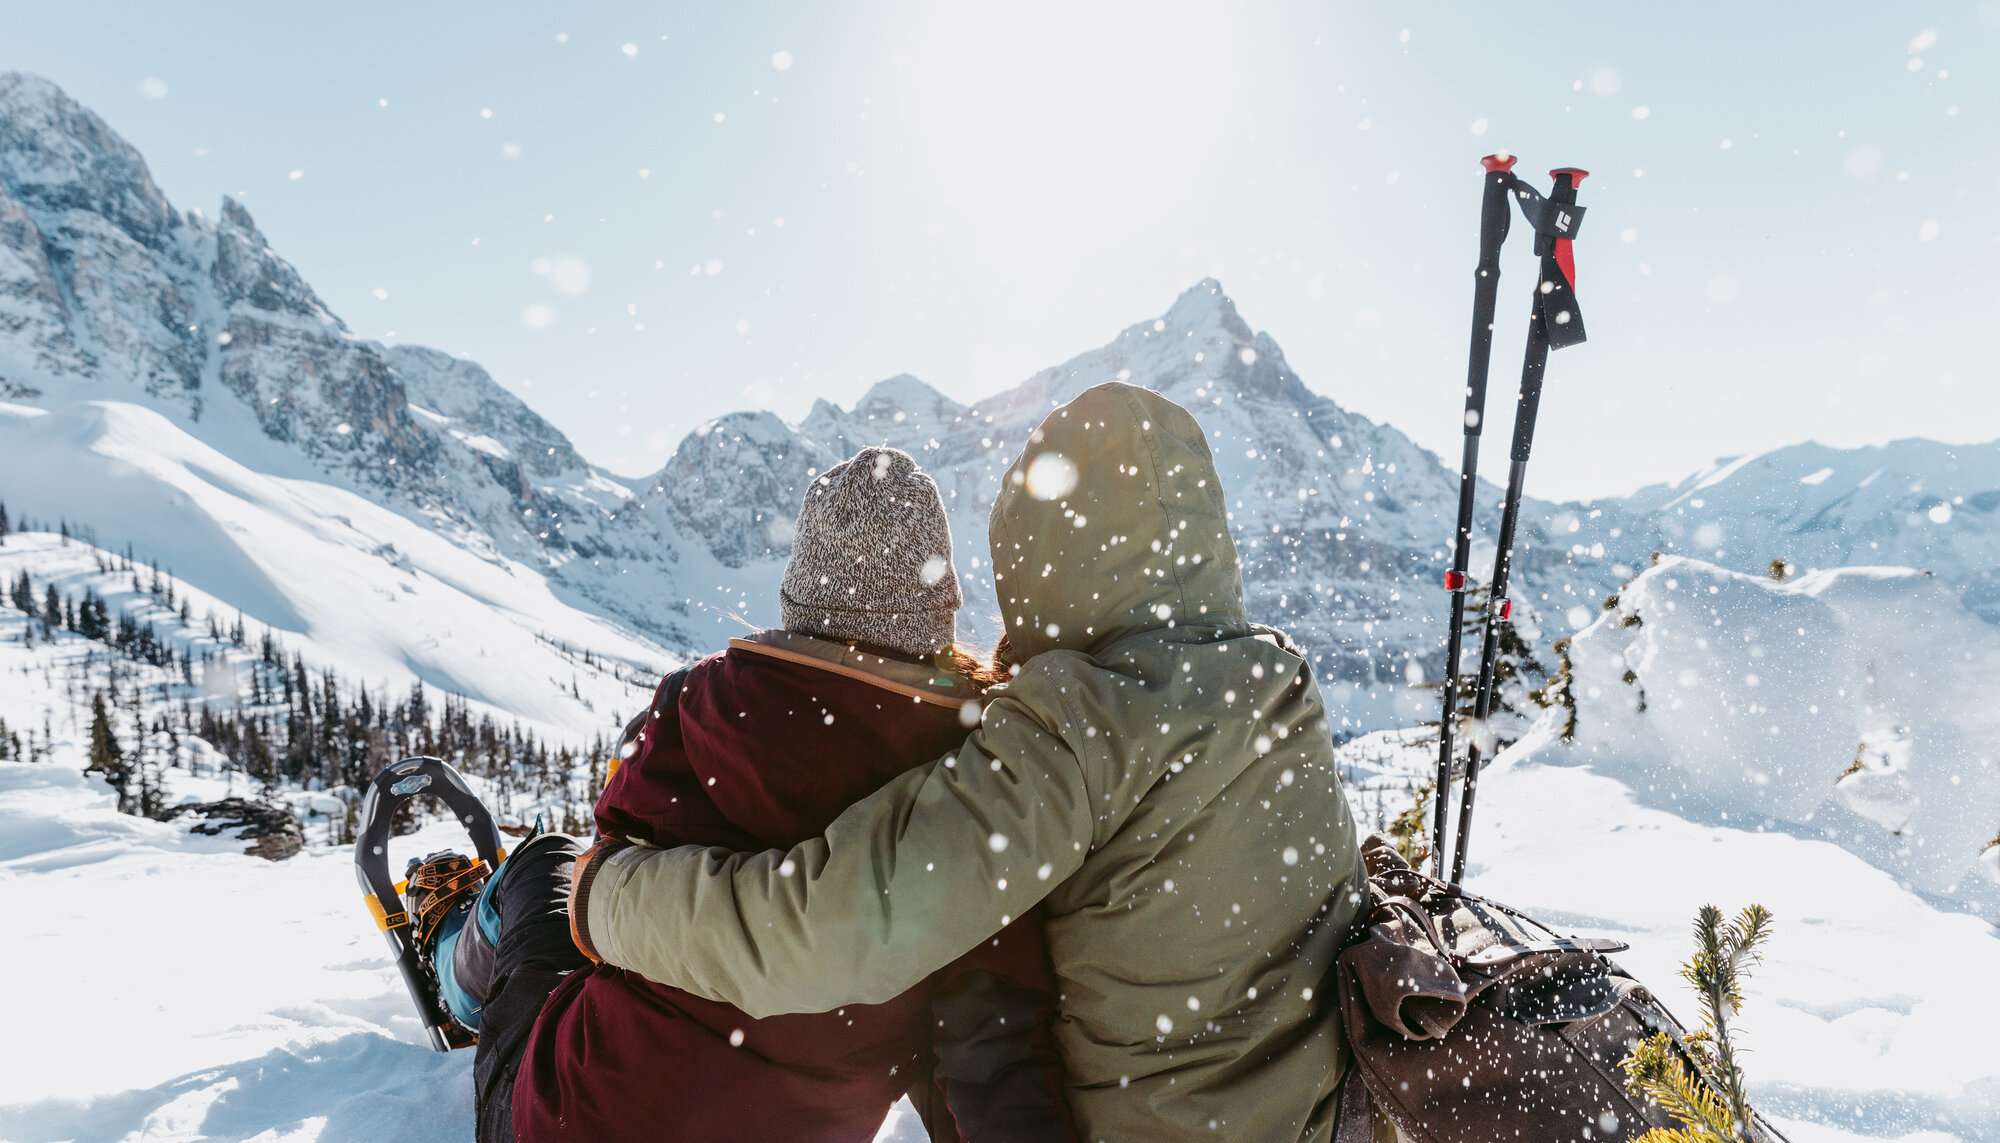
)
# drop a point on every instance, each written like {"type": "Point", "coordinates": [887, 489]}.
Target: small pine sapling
{"type": "Point", "coordinates": [1556, 692]}
{"type": "Point", "coordinates": [1410, 830]}
{"type": "Point", "coordinates": [1859, 764]}
{"type": "Point", "coordinates": [1703, 1088]}
{"type": "Point", "coordinates": [107, 756]}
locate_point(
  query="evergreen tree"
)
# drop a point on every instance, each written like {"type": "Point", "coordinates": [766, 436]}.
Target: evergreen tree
{"type": "Point", "coordinates": [1514, 665]}
{"type": "Point", "coordinates": [152, 792]}
{"type": "Point", "coordinates": [152, 796]}
{"type": "Point", "coordinates": [52, 612]}
{"type": "Point", "coordinates": [1556, 692]}
{"type": "Point", "coordinates": [23, 594]}
{"type": "Point", "coordinates": [93, 618]}
{"type": "Point", "coordinates": [257, 759]}
{"type": "Point", "coordinates": [107, 757]}
{"type": "Point", "coordinates": [1411, 829]}
{"type": "Point", "coordinates": [3, 522]}
{"type": "Point", "coordinates": [1708, 1098]}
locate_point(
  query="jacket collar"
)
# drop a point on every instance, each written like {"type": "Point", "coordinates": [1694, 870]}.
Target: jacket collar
{"type": "Point", "coordinates": [920, 681]}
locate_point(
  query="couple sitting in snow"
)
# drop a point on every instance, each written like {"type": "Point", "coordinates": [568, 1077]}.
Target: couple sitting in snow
{"type": "Point", "coordinates": [1088, 892]}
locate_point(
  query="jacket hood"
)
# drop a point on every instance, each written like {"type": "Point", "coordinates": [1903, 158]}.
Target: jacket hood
{"type": "Point", "coordinates": [1110, 522]}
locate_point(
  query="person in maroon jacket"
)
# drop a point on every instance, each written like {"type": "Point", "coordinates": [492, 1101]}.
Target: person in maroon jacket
{"type": "Point", "coordinates": [867, 673]}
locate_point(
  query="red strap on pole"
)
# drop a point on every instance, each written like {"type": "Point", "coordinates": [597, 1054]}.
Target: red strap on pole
{"type": "Point", "coordinates": [1565, 258]}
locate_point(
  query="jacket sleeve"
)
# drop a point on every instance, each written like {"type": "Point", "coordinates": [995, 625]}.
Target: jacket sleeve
{"type": "Point", "coordinates": [904, 882]}
{"type": "Point", "coordinates": [993, 1013]}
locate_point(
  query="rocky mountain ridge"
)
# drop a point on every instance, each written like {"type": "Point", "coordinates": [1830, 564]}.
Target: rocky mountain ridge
{"type": "Point", "coordinates": [107, 293]}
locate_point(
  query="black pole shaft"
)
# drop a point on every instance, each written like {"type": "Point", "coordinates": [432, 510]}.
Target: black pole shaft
{"type": "Point", "coordinates": [1482, 702]}
{"type": "Point", "coordinates": [1534, 367]}
{"type": "Point", "coordinates": [1495, 214]}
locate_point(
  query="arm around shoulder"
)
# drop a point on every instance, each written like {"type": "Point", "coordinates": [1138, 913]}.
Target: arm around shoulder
{"type": "Point", "coordinates": [901, 884]}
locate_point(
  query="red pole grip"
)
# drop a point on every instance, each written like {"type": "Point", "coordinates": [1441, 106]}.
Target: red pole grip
{"type": "Point", "coordinates": [1500, 162]}
{"type": "Point", "coordinates": [1576, 174]}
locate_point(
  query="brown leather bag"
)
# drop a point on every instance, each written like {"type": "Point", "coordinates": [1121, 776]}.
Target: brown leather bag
{"type": "Point", "coordinates": [1471, 1022]}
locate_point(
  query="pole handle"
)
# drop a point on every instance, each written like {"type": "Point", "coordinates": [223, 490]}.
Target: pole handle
{"type": "Point", "coordinates": [1501, 161]}
{"type": "Point", "coordinates": [1576, 175]}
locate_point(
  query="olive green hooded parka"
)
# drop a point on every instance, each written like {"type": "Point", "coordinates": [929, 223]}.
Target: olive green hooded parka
{"type": "Point", "coordinates": [1159, 775]}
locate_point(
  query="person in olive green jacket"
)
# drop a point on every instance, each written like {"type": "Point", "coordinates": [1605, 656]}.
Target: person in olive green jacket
{"type": "Point", "coordinates": [1159, 772]}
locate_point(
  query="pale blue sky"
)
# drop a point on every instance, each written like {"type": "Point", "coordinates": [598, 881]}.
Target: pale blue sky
{"type": "Point", "coordinates": [970, 192]}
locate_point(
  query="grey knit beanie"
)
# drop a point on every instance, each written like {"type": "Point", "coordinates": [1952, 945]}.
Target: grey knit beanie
{"type": "Point", "coordinates": [871, 558]}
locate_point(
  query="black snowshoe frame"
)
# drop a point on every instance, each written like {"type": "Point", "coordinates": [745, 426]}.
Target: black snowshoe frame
{"type": "Point", "coordinates": [384, 894]}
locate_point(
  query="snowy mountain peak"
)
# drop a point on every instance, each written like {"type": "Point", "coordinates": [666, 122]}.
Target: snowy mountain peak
{"type": "Point", "coordinates": [56, 155]}
{"type": "Point", "coordinates": [1205, 306]}
{"type": "Point", "coordinates": [737, 482]}
{"type": "Point", "coordinates": [905, 399]}
{"type": "Point", "coordinates": [1199, 343]}
{"type": "Point", "coordinates": [485, 416]}
{"type": "Point", "coordinates": [249, 273]}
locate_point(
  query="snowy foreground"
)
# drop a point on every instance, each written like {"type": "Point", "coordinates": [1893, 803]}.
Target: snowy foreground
{"type": "Point", "coordinates": [174, 990]}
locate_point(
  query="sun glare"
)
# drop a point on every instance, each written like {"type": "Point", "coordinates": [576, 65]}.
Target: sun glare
{"type": "Point", "coordinates": [1071, 127]}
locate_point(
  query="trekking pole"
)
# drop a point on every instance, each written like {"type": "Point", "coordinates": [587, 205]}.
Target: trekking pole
{"type": "Point", "coordinates": [1495, 215]}
{"type": "Point", "coordinates": [1554, 323]}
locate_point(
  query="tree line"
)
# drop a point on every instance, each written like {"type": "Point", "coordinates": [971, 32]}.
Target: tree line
{"type": "Point", "coordinates": [262, 713]}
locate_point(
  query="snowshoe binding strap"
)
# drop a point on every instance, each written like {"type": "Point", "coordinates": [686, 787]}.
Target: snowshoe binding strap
{"type": "Point", "coordinates": [437, 885]}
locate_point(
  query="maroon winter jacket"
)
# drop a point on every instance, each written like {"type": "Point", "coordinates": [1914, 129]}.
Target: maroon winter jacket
{"type": "Point", "coordinates": [615, 1056]}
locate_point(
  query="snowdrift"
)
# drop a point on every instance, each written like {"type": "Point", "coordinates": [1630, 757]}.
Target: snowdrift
{"type": "Point", "coordinates": [1823, 747]}
{"type": "Point", "coordinates": [205, 995]}
{"type": "Point", "coordinates": [1859, 705]}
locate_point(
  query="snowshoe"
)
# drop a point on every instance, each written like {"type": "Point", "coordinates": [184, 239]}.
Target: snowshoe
{"type": "Point", "coordinates": [427, 931]}
{"type": "Point", "coordinates": [443, 890]}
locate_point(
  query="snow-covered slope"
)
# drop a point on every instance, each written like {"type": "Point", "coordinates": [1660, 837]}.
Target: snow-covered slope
{"type": "Point", "coordinates": [1861, 705]}
{"type": "Point", "coordinates": [347, 583]}
{"type": "Point", "coordinates": [176, 1018]}
{"type": "Point", "coordinates": [1911, 503]}
{"type": "Point", "coordinates": [1867, 1018]}
{"type": "Point", "coordinates": [1824, 747]}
